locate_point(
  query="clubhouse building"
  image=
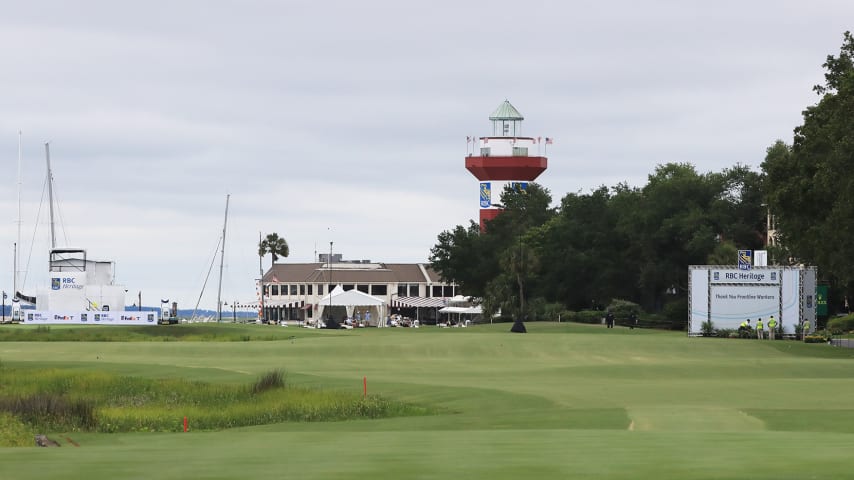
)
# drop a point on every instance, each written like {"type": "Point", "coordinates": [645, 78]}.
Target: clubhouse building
{"type": "Point", "coordinates": [293, 291]}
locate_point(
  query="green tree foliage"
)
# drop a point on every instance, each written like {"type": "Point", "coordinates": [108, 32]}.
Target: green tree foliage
{"type": "Point", "coordinates": [810, 185]}
{"type": "Point", "coordinates": [465, 257]}
{"type": "Point", "coordinates": [471, 259]}
{"type": "Point", "coordinates": [612, 243]}
{"type": "Point", "coordinates": [274, 245]}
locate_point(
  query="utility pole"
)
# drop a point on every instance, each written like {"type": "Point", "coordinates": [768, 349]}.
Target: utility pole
{"type": "Point", "coordinates": [261, 279]}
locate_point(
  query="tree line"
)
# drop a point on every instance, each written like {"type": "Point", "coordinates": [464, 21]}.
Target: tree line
{"type": "Point", "coordinates": [636, 243]}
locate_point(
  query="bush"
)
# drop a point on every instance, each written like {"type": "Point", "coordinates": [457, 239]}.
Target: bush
{"type": "Point", "coordinates": [622, 309]}
{"type": "Point", "coordinates": [584, 316]}
{"type": "Point", "coordinates": [539, 309]}
{"type": "Point", "coordinates": [707, 329]}
{"type": "Point", "coordinates": [815, 339]}
{"type": "Point", "coordinates": [726, 333]}
{"type": "Point", "coordinates": [655, 320]}
{"type": "Point", "coordinates": [841, 325]}
{"type": "Point", "coordinates": [676, 313]}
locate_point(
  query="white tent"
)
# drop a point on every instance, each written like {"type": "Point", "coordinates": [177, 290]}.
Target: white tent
{"type": "Point", "coordinates": [352, 299]}
{"type": "Point", "coordinates": [460, 311]}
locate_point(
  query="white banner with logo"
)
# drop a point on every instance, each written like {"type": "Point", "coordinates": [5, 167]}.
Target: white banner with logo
{"type": "Point", "coordinates": [37, 317]}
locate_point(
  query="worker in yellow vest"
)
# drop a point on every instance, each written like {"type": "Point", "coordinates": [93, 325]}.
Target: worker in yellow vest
{"type": "Point", "coordinates": [760, 333]}
{"type": "Point", "coordinates": [744, 329]}
{"type": "Point", "coordinates": [772, 327]}
{"type": "Point", "coordinates": [805, 328]}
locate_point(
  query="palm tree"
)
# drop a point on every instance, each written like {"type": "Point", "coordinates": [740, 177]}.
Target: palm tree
{"type": "Point", "coordinates": [274, 245]}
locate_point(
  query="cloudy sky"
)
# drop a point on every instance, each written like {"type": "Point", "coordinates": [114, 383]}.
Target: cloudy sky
{"type": "Point", "coordinates": [346, 121]}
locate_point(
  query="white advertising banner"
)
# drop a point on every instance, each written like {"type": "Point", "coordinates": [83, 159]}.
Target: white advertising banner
{"type": "Point", "coordinates": [37, 317]}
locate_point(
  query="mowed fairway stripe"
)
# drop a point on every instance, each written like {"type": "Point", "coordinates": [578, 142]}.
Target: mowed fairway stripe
{"type": "Point", "coordinates": [693, 419]}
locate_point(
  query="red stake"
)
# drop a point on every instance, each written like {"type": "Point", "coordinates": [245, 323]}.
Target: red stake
{"type": "Point", "coordinates": [185, 424]}
{"type": "Point", "coordinates": [365, 386]}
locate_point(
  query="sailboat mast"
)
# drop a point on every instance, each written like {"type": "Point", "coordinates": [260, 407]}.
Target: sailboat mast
{"type": "Point", "coordinates": [50, 195]}
{"type": "Point", "coordinates": [17, 255]}
{"type": "Point", "coordinates": [221, 261]}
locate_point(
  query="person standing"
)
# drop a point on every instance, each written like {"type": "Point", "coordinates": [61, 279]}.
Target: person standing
{"type": "Point", "coordinates": [805, 329]}
{"type": "Point", "coordinates": [760, 329]}
{"type": "Point", "coordinates": [633, 320]}
{"type": "Point", "coordinates": [609, 320]}
{"type": "Point", "coordinates": [772, 327]}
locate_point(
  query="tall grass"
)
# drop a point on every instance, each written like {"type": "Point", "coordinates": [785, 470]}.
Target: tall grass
{"type": "Point", "coordinates": [160, 333]}
{"type": "Point", "coordinates": [61, 401]}
{"type": "Point", "coordinates": [271, 380]}
{"type": "Point", "coordinates": [13, 432]}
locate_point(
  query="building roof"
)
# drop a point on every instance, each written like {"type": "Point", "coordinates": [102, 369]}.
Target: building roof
{"type": "Point", "coordinates": [505, 111]}
{"type": "Point", "coordinates": [351, 273]}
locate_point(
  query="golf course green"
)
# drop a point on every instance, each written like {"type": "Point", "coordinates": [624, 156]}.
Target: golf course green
{"type": "Point", "coordinates": [562, 401]}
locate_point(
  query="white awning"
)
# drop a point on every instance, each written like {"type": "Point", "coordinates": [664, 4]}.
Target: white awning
{"type": "Point", "coordinates": [473, 310]}
{"type": "Point", "coordinates": [418, 302]}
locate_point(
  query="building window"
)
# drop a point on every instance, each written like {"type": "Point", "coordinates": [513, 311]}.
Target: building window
{"type": "Point", "coordinates": [414, 290]}
{"type": "Point", "coordinates": [274, 290]}
{"type": "Point", "coordinates": [401, 290]}
{"type": "Point", "coordinates": [293, 290]}
{"type": "Point", "coordinates": [379, 290]}
{"type": "Point", "coordinates": [520, 151]}
{"type": "Point", "coordinates": [362, 288]}
{"type": "Point", "coordinates": [448, 291]}
{"type": "Point", "coordinates": [437, 291]}
{"type": "Point", "coordinates": [320, 289]}
{"type": "Point", "coordinates": [302, 289]}
{"type": "Point", "coordinates": [484, 151]}
{"type": "Point", "coordinates": [309, 289]}
{"type": "Point", "coordinates": [347, 288]}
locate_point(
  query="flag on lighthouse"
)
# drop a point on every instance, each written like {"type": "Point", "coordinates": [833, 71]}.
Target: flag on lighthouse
{"type": "Point", "coordinates": [549, 140]}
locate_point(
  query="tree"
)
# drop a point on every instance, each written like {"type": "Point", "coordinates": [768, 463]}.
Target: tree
{"type": "Point", "coordinates": [810, 186]}
{"type": "Point", "coordinates": [274, 245]}
{"type": "Point", "coordinates": [464, 257]}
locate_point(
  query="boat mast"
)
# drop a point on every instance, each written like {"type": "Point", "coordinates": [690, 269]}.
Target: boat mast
{"type": "Point", "coordinates": [18, 243]}
{"type": "Point", "coordinates": [50, 195]}
{"type": "Point", "coordinates": [221, 261]}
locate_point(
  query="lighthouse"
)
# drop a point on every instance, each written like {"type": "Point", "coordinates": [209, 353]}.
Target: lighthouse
{"type": "Point", "coordinates": [504, 158]}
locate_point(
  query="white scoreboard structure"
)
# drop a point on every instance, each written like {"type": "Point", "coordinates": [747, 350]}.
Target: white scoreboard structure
{"type": "Point", "coordinates": [728, 295]}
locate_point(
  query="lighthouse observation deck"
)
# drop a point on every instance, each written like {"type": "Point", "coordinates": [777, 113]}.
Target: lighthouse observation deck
{"type": "Point", "coordinates": [507, 158]}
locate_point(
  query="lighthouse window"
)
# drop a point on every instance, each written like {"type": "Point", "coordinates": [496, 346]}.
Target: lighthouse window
{"type": "Point", "coordinates": [520, 151]}
{"type": "Point", "coordinates": [484, 151]}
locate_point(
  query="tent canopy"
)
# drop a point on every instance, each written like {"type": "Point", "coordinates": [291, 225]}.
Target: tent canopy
{"type": "Point", "coordinates": [472, 310]}
{"type": "Point", "coordinates": [351, 298]}
{"type": "Point", "coordinates": [459, 299]}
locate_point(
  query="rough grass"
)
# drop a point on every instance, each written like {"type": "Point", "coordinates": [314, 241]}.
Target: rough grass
{"type": "Point", "coordinates": [58, 400]}
{"type": "Point", "coordinates": [193, 332]}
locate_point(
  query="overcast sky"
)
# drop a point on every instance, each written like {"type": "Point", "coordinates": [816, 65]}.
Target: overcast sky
{"type": "Point", "coordinates": [346, 121]}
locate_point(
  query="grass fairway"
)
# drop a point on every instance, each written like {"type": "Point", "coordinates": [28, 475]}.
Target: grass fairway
{"type": "Point", "coordinates": [563, 401]}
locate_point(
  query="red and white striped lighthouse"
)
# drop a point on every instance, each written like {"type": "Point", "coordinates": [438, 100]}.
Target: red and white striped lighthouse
{"type": "Point", "coordinates": [504, 158]}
